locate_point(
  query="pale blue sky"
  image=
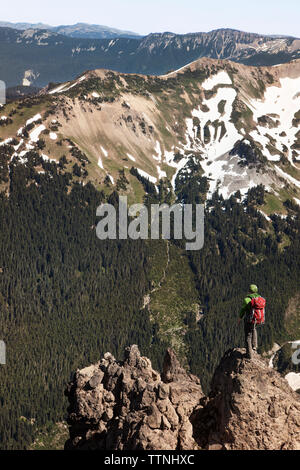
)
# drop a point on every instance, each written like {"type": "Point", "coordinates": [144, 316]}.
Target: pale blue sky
{"type": "Point", "coordinates": [179, 16]}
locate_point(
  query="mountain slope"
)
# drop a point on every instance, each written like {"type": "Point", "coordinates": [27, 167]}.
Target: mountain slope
{"type": "Point", "coordinates": [239, 124]}
{"type": "Point", "coordinates": [51, 57]}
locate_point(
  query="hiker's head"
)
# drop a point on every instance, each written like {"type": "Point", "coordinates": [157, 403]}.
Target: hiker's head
{"type": "Point", "coordinates": [253, 289]}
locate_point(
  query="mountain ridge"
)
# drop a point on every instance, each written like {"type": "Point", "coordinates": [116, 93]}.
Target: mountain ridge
{"type": "Point", "coordinates": [128, 406]}
{"type": "Point", "coordinates": [44, 26]}
{"type": "Point", "coordinates": [239, 123]}
{"type": "Point", "coordinates": [79, 30]}
{"type": "Point", "coordinates": [154, 54]}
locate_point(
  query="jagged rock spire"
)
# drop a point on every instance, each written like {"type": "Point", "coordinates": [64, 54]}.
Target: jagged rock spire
{"type": "Point", "coordinates": [128, 405]}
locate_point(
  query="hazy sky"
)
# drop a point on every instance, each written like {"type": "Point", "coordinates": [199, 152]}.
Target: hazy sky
{"type": "Point", "coordinates": [179, 16]}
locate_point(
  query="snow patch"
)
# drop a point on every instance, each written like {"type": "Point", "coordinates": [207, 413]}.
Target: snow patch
{"type": "Point", "coordinates": [16, 147]}
{"type": "Point", "coordinates": [62, 88]}
{"type": "Point", "coordinates": [157, 149]}
{"type": "Point", "coordinates": [161, 174]}
{"type": "Point", "coordinates": [21, 157]}
{"type": "Point", "coordinates": [59, 89]}
{"type": "Point", "coordinates": [297, 200]}
{"type": "Point", "coordinates": [47, 159]}
{"type": "Point", "coordinates": [104, 151]}
{"type": "Point", "coordinates": [174, 71]}
{"type": "Point", "coordinates": [293, 380]}
{"type": "Point", "coordinates": [146, 175]}
{"type": "Point", "coordinates": [33, 119]}
{"type": "Point", "coordinates": [6, 141]}
{"type": "Point", "coordinates": [287, 176]}
{"type": "Point", "coordinates": [265, 215]}
{"type": "Point", "coordinates": [220, 78]}
{"type": "Point", "coordinates": [35, 134]}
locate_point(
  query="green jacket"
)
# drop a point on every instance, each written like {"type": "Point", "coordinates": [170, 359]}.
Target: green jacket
{"type": "Point", "coordinates": [246, 304]}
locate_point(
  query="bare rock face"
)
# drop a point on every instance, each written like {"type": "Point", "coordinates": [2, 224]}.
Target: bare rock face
{"type": "Point", "coordinates": [127, 405]}
{"type": "Point", "coordinates": [251, 407]}
{"type": "Point", "coordinates": [118, 406]}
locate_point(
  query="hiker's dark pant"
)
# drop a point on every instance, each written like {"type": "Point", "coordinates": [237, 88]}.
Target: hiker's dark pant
{"type": "Point", "coordinates": [251, 338]}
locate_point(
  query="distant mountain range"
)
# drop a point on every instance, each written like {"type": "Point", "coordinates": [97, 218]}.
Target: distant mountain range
{"type": "Point", "coordinates": [37, 57]}
{"type": "Point", "coordinates": [78, 30]}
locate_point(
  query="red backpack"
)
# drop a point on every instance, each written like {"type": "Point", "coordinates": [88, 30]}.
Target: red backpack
{"type": "Point", "coordinates": [257, 311]}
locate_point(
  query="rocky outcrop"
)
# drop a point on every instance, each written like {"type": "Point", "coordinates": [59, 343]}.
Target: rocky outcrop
{"type": "Point", "coordinates": [250, 407]}
{"type": "Point", "coordinates": [127, 405]}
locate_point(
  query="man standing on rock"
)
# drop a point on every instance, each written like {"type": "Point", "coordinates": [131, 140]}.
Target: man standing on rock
{"type": "Point", "coordinates": [253, 312]}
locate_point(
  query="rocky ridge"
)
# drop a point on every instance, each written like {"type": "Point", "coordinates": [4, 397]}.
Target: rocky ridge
{"type": "Point", "coordinates": [129, 406]}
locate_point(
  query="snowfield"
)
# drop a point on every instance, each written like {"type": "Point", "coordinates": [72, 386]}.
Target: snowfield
{"type": "Point", "coordinates": [222, 138]}
{"type": "Point", "coordinates": [217, 165]}
{"type": "Point", "coordinates": [220, 78]}
{"type": "Point", "coordinates": [212, 133]}
{"type": "Point", "coordinates": [280, 104]}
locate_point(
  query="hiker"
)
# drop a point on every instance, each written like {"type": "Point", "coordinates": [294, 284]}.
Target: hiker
{"type": "Point", "coordinates": [253, 312]}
